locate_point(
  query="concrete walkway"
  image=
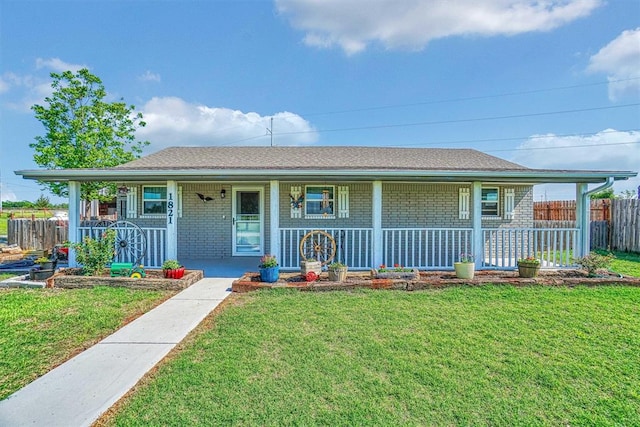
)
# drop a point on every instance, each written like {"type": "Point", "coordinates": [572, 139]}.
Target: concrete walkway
{"type": "Point", "coordinates": [77, 392]}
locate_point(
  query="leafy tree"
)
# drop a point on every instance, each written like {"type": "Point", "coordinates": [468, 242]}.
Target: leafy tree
{"type": "Point", "coordinates": [85, 131]}
{"type": "Point", "coordinates": [604, 194]}
{"type": "Point", "coordinates": [43, 202]}
{"type": "Point", "coordinates": [628, 194]}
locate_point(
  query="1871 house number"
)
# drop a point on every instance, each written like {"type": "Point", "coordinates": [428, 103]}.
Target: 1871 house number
{"type": "Point", "coordinates": [170, 209]}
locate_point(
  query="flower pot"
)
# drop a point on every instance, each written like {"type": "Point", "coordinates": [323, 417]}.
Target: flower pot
{"type": "Point", "coordinates": [528, 270]}
{"type": "Point", "coordinates": [173, 273]}
{"type": "Point", "coordinates": [464, 270]}
{"type": "Point", "coordinates": [307, 266]}
{"type": "Point", "coordinates": [338, 274]}
{"type": "Point", "coordinates": [46, 265]}
{"type": "Point", "coordinates": [270, 274]}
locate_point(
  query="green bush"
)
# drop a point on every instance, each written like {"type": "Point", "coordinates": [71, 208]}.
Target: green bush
{"type": "Point", "coordinates": [95, 254]}
{"type": "Point", "coordinates": [595, 262]}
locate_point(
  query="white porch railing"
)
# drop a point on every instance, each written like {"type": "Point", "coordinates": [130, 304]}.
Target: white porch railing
{"type": "Point", "coordinates": [553, 246]}
{"type": "Point", "coordinates": [156, 244]}
{"type": "Point", "coordinates": [354, 246]}
{"type": "Point", "coordinates": [425, 248]}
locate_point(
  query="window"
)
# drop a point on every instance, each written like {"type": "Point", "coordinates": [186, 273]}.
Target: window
{"type": "Point", "coordinates": [154, 200]}
{"type": "Point", "coordinates": [320, 202]}
{"type": "Point", "coordinates": [490, 202]}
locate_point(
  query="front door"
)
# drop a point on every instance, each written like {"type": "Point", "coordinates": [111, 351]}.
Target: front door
{"type": "Point", "coordinates": [247, 221]}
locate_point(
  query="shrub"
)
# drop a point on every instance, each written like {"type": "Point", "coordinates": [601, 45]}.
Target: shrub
{"type": "Point", "coordinates": [595, 262]}
{"type": "Point", "coordinates": [95, 254]}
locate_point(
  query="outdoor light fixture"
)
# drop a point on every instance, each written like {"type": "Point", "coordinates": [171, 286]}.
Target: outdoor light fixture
{"type": "Point", "coordinates": [123, 190]}
{"type": "Point", "coordinates": [223, 193]}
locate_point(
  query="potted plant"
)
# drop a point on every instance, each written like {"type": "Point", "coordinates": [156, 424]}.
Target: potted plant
{"type": "Point", "coordinates": [45, 263]}
{"type": "Point", "coordinates": [528, 267]}
{"type": "Point", "coordinates": [269, 269]}
{"type": "Point", "coordinates": [338, 272]}
{"type": "Point", "coordinates": [172, 269]}
{"type": "Point", "coordinates": [465, 268]}
{"type": "Point", "coordinates": [310, 264]}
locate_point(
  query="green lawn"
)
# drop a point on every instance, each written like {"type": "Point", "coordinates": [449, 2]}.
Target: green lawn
{"type": "Point", "coordinates": [625, 263]}
{"type": "Point", "coordinates": [458, 356]}
{"type": "Point", "coordinates": [42, 328]}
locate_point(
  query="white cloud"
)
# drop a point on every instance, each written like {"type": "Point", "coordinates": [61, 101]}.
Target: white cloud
{"type": "Point", "coordinates": [148, 76]}
{"type": "Point", "coordinates": [620, 59]}
{"type": "Point", "coordinates": [173, 121]}
{"type": "Point", "coordinates": [20, 92]}
{"type": "Point", "coordinates": [7, 195]}
{"type": "Point", "coordinates": [606, 150]}
{"type": "Point", "coordinates": [411, 24]}
{"type": "Point", "coordinates": [58, 65]}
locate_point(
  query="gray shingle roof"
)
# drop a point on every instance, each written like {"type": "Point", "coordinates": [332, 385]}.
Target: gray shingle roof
{"type": "Point", "coordinates": [320, 158]}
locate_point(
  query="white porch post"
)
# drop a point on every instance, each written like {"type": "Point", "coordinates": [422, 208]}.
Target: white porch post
{"type": "Point", "coordinates": [476, 219]}
{"type": "Point", "coordinates": [172, 225]}
{"type": "Point", "coordinates": [583, 215]}
{"type": "Point", "coordinates": [274, 215]}
{"type": "Point", "coordinates": [377, 223]}
{"type": "Point", "coordinates": [74, 218]}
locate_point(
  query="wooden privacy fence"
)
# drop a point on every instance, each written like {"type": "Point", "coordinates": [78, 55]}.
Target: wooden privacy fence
{"type": "Point", "coordinates": [37, 234]}
{"type": "Point", "coordinates": [621, 232]}
{"type": "Point", "coordinates": [565, 210]}
{"type": "Point", "coordinates": [625, 225]}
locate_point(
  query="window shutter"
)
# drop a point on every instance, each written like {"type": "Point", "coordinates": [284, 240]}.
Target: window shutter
{"type": "Point", "coordinates": [179, 201]}
{"type": "Point", "coordinates": [343, 201]}
{"type": "Point", "coordinates": [509, 203]}
{"type": "Point", "coordinates": [463, 203]}
{"type": "Point", "coordinates": [295, 201]}
{"type": "Point", "coordinates": [132, 203]}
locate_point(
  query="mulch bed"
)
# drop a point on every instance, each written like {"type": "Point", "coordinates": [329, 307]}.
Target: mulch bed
{"type": "Point", "coordinates": [71, 278]}
{"type": "Point", "coordinates": [431, 280]}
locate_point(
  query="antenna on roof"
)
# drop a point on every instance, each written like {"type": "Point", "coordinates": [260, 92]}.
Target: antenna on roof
{"type": "Point", "coordinates": [270, 131]}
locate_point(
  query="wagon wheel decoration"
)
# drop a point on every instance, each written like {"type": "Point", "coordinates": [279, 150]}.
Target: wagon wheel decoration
{"type": "Point", "coordinates": [131, 242]}
{"type": "Point", "coordinates": [318, 245]}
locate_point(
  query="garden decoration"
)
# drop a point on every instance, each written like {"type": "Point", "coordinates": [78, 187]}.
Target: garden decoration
{"type": "Point", "coordinates": [318, 245]}
{"type": "Point", "coordinates": [130, 249]}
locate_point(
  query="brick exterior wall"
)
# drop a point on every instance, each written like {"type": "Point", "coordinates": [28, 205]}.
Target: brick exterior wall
{"type": "Point", "coordinates": [205, 229]}
{"type": "Point", "coordinates": [436, 205]}
{"type": "Point", "coordinates": [360, 209]}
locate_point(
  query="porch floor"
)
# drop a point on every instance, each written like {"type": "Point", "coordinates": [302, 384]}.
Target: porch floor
{"type": "Point", "coordinates": [230, 267]}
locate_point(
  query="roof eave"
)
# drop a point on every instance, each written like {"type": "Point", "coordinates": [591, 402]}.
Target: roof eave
{"type": "Point", "coordinates": [530, 175]}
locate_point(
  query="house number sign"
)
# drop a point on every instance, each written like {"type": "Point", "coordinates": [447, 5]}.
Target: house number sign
{"type": "Point", "coordinates": [170, 208]}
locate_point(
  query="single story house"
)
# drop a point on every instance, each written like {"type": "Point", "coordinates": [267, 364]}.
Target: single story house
{"type": "Point", "coordinates": [417, 207]}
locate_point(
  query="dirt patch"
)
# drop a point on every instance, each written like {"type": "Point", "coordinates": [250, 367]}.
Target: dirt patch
{"type": "Point", "coordinates": [432, 280]}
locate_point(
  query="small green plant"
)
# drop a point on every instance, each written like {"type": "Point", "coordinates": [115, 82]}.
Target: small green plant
{"type": "Point", "coordinates": [336, 265]}
{"type": "Point", "coordinates": [42, 260]}
{"type": "Point", "coordinates": [594, 263]}
{"type": "Point", "coordinates": [95, 254]}
{"type": "Point", "coordinates": [529, 260]}
{"type": "Point", "coordinates": [468, 258]}
{"type": "Point", "coordinates": [170, 264]}
{"type": "Point", "coordinates": [268, 261]}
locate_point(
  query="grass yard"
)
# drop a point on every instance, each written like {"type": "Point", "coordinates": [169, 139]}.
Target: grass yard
{"type": "Point", "coordinates": [625, 263]}
{"type": "Point", "coordinates": [42, 328]}
{"type": "Point", "coordinates": [458, 356]}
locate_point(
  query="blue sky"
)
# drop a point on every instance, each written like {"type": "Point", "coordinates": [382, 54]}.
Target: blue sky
{"type": "Point", "coordinates": [517, 79]}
